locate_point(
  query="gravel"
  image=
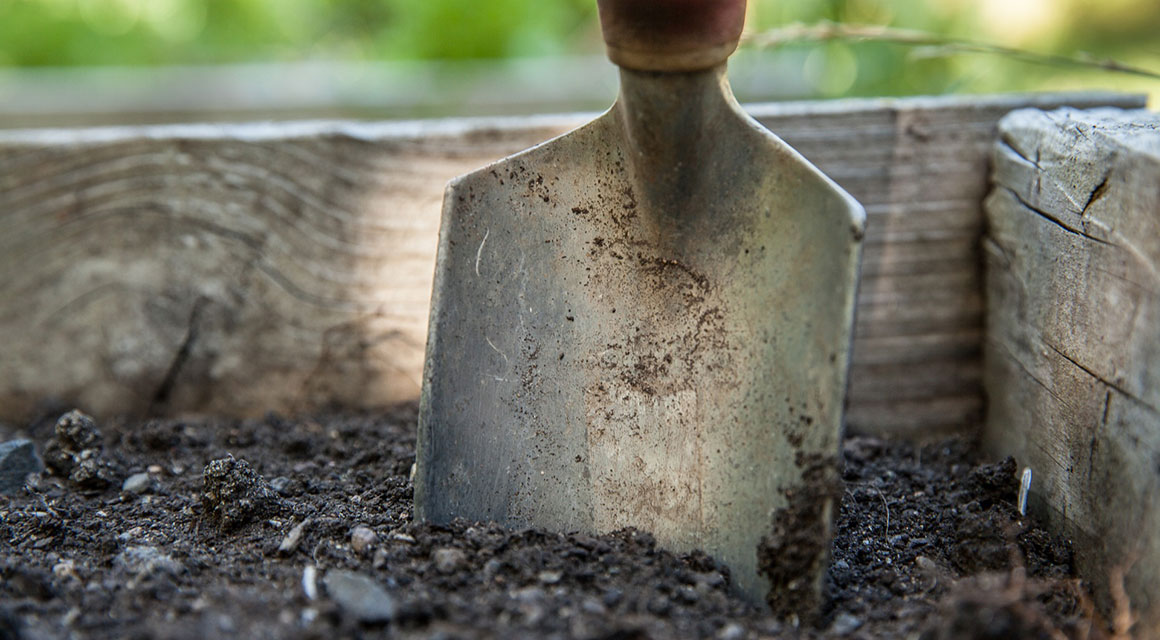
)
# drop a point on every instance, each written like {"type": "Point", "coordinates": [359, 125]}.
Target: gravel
{"type": "Point", "coordinates": [17, 460]}
{"type": "Point", "coordinates": [138, 483]}
{"type": "Point", "coordinates": [360, 596]}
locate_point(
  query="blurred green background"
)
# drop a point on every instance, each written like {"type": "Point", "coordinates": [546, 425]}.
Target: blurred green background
{"type": "Point", "coordinates": [42, 39]}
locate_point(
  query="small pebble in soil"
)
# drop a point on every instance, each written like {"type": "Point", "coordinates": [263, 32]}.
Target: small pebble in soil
{"type": "Point", "coordinates": [448, 560]}
{"type": "Point", "coordinates": [235, 495]}
{"type": "Point", "coordinates": [17, 460]}
{"type": "Point", "coordinates": [310, 582]}
{"type": "Point", "coordinates": [731, 631]}
{"type": "Point", "coordinates": [76, 452]}
{"type": "Point", "coordinates": [359, 596]}
{"type": "Point", "coordinates": [844, 624]}
{"type": "Point", "coordinates": [380, 559]}
{"type": "Point", "coordinates": [146, 560]}
{"type": "Point", "coordinates": [362, 538]}
{"type": "Point", "coordinates": [491, 568]}
{"type": "Point", "coordinates": [283, 485]}
{"type": "Point", "coordinates": [64, 570]}
{"type": "Point", "coordinates": [138, 483]}
{"type": "Point", "coordinates": [402, 537]}
{"type": "Point", "coordinates": [290, 543]}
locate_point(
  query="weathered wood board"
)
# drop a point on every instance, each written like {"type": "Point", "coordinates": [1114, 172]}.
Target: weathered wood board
{"type": "Point", "coordinates": [239, 269]}
{"type": "Point", "coordinates": [1073, 332]}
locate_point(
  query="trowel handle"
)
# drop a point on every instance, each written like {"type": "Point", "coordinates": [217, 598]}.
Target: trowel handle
{"type": "Point", "coordinates": [671, 35]}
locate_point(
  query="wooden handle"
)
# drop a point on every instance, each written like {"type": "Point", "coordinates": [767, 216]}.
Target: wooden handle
{"type": "Point", "coordinates": [671, 35]}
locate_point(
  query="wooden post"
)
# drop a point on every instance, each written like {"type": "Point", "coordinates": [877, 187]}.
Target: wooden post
{"type": "Point", "coordinates": [1073, 333]}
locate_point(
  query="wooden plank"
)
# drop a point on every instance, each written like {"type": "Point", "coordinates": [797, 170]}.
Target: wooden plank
{"type": "Point", "coordinates": [229, 270]}
{"type": "Point", "coordinates": [920, 189]}
{"type": "Point", "coordinates": [923, 419]}
{"type": "Point", "coordinates": [933, 378]}
{"type": "Point", "coordinates": [957, 344]}
{"type": "Point", "coordinates": [1073, 333]}
{"type": "Point", "coordinates": [238, 269]}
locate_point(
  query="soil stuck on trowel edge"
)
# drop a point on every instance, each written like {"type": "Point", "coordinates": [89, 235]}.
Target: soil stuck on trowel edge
{"type": "Point", "coordinates": [797, 546]}
{"type": "Point", "coordinates": [301, 528]}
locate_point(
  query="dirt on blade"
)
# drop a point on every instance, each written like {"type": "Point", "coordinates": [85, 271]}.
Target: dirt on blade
{"type": "Point", "coordinates": [797, 544]}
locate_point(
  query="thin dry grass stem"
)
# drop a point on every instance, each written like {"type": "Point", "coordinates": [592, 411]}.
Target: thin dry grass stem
{"type": "Point", "coordinates": [933, 45]}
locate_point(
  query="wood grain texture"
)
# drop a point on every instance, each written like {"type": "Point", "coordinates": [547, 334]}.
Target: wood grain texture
{"type": "Point", "coordinates": [239, 269]}
{"type": "Point", "coordinates": [1073, 332]}
{"type": "Point", "coordinates": [920, 168]}
{"type": "Point", "coordinates": [229, 270]}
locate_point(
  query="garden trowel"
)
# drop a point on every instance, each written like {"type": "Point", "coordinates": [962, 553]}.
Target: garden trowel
{"type": "Point", "coordinates": [646, 322]}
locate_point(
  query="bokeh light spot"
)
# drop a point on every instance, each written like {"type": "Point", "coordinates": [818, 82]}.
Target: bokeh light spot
{"type": "Point", "coordinates": [831, 69]}
{"type": "Point", "coordinates": [175, 21]}
{"type": "Point", "coordinates": [110, 17]}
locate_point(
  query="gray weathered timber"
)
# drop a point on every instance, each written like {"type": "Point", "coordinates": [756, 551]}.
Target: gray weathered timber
{"type": "Point", "coordinates": [237, 269]}
{"type": "Point", "coordinates": [1073, 332]}
{"type": "Point", "coordinates": [230, 270]}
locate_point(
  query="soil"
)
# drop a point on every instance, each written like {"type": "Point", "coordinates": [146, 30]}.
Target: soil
{"type": "Point", "coordinates": [301, 528]}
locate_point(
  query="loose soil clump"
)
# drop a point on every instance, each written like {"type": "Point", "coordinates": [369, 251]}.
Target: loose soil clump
{"type": "Point", "coordinates": [279, 528]}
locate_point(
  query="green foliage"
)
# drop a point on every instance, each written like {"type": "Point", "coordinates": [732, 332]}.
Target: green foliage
{"type": "Point", "coordinates": [136, 32]}
{"type": "Point", "coordinates": [492, 29]}
{"type": "Point", "coordinates": [1120, 29]}
{"type": "Point", "coordinates": [870, 68]}
{"type": "Point", "coordinates": [168, 32]}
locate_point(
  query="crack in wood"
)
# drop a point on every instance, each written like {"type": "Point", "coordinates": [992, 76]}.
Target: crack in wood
{"type": "Point", "coordinates": [165, 390]}
{"type": "Point", "coordinates": [1118, 388]}
{"type": "Point", "coordinates": [1027, 371]}
{"type": "Point", "coordinates": [1099, 192]}
{"type": "Point", "coordinates": [1006, 143]}
{"type": "Point", "coordinates": [1098, 431]}
{"type": "Point", "coordinates": [1054, 220]}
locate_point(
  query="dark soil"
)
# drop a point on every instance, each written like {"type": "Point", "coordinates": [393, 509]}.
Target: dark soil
{"type": "Point", "coordinates": [279, 528]}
